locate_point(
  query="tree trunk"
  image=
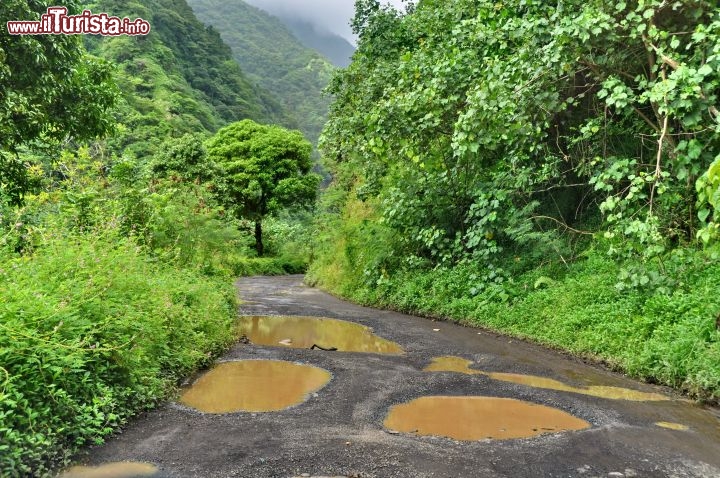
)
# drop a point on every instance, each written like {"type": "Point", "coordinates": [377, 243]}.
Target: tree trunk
{"type": "Point", "coordinates": [258, 239]}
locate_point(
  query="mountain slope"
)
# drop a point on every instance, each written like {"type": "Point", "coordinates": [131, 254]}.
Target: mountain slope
{"type": "Point", "coordinates": [180, 78]}
{"type": "Point", "coordinates": [273, 58]}
{"type": "Point", "coordinates": [337, 49]}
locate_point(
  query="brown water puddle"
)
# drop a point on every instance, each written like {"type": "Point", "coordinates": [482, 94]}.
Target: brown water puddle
{"type": "Point", "coordinates": [673, 426]}
{"type": "Point", "coordinates": [305, 332]}
{"type": "Point", "coordinates": [461, 365]}
{"type": "Point", "coordinates": [111, 470]}
{"type": "Point", "coordinates": [478, 418]}
{"type": "Point", "coordinates": [254, 386]}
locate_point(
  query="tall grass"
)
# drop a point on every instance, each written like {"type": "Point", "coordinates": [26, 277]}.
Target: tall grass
{"type": "Point", "coordinates": [663, 333]}
{"type": "Point", "coordinates": [92, 330]}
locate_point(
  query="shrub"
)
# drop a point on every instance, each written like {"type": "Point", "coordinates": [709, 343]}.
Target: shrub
{"type": "Point", "coordinates": [92, 331]}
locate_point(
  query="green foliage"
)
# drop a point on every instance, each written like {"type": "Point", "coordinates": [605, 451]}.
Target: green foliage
{"type": "Point", "coordinates": [290, 235]}
{"type": "Point", "coordinates": [542, 169]}
{"type": "Point", "coordinates": [179, 79]}
{"type": "Point", "coordinates": [268, 266]}
{"type": "Point", "coordinates": [487, 129]}
{"type": "Point", "coordinates": [15, 178]}
{"type": "Point", "coordinates": [708, 189]}
{"type": "Point", "coordinates": [85, 343]}
{"type": "Point", "coordinates": [50, 90]}
{"type": "Point", "coordinates": [185, 158]}
{"type": "Point", "coordinates": [272, 57]}
{"type": "Point", "coordinates": [263, 169]}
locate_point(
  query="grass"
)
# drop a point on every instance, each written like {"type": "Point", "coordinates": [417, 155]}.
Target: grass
{"type": "Point", "coordinates": [664, 332]}
{"type": "Point", "coordinates": [92, 331]}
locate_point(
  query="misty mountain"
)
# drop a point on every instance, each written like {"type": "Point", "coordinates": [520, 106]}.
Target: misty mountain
{"type": "Point", "coordinates": [273, 58]}
{"type": "Point", "coordinates": [323, 25]}
{"type": "Point", "coordinates": [337, 49]}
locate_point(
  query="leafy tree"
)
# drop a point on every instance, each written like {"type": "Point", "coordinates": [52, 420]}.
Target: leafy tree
{"type": "Point", "coordinates": [480, 130]}
{"type": "Point", "coordinates": [185, 157]}
{"type": "Point", "coordinates": [50, 90]}
{"type": "Point", "coordinates": [263, 169]}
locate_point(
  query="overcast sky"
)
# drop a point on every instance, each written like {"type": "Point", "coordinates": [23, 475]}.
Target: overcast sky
{"type": "Point", "coordinates": [329, 15]}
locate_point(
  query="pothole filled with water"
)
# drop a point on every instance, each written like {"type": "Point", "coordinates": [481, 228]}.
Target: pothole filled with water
{"type": "Point", "coordinates": [314, 332]}
{"type": "Point", "coordinates": [673, 426]}
{"type": "Point", "coordinates": [254, 386]}
{"type": "Point", "coordinates": [478, 418]}
{"type": "Point", "coordinates": [111, 470]}
{"type": "Point", "coordinates": [461, 365]}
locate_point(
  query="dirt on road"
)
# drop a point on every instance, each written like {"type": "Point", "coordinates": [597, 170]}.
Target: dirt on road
{"type": "Point", "coordinates": [341, 425]}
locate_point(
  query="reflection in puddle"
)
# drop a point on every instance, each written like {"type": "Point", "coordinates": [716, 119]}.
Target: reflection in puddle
{"type": "Point", "coordinates": [673, 426]}
{"type": "Point", "coordinates": [477, 418]}
{"type": "Point", "coordinates": [304, 332]}
{"type": "Point", "coordinates": [459, 364]}
{"type": "Point", "coordinates": [254, 386]}
{"type": "Point", "coordinates": [111, 470]}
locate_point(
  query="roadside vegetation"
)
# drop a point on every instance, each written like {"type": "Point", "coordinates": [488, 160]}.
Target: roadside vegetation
{"type": "Point", "coordinates": [120, 234]}
{"type": "Point", "coordinates": [552, 173]}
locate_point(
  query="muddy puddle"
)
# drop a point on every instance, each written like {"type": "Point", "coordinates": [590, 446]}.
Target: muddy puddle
{"type": "Point", "coordinates": [461, 365]}
{"type": "Point", "coordinates": [673, 426]}
{"type": "Point", "coordinates": [254, 386]}
{"type": "Point", "coordinates": [111, 470]}
{"type": "Point", "coordinates": [317, 332]}
{"type": "Point", "coordinates": [479, 418]}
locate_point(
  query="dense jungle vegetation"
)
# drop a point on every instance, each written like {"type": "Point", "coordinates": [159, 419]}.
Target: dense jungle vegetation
{"type": "Point", "coordinates": [123, 219]}
{"type": "Point", "coordinates": [550, 170]}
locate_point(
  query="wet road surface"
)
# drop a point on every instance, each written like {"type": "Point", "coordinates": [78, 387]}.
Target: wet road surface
{"type": "Point", "coordinates": [340, 429]}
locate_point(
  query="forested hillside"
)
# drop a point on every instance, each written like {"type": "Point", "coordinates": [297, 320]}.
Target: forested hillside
{"type": "Point", "coordinates": [273, 58]}
{"type": "Point", "coordinates": [549, 171]}
{"type": "Point", "coordinates": [179, 79]}
{"type": "Point", "coordinates": [337, 49]}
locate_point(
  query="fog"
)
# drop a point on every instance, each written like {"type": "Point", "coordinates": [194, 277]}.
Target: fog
{"type": "Point", "coordinates": [325, 15]}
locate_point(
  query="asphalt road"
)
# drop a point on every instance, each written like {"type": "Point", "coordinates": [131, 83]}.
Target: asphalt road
{"type": "Point", "coordinates": [339, 430]}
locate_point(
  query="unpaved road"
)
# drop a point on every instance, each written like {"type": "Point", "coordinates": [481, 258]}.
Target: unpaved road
{"type": "Point", "coordinates": [339, 431]}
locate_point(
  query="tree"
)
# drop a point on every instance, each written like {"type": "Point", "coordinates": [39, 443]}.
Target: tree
{"type": "Point", "coordinates": [49, 90]}
{"type": "Point", "coordinates": [263, 169]}
{"type": "Point", "coordinates": [185, 158]}
{"type": "Point", "coordinates": [481, 128]}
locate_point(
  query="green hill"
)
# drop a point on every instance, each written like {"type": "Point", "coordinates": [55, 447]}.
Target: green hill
{"type": "Point", "coordinates": [180, 78]}
{"type": "Point", "coordinates": [273, 58]}
{"type": "Point", "coordinates": [337, 49]}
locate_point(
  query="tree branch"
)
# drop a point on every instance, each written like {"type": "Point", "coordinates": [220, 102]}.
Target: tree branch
{"type": "Point", "coordinates": [564, 225]}
{"type": "Point", "coordinates": [675, 65]}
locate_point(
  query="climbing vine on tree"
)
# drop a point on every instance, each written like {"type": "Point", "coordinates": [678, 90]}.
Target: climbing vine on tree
{"type": "Point", "coordinates": [480, 129]}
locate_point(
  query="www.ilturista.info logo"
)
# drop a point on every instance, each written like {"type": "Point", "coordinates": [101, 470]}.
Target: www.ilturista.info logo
{"type": "Point", "coordinates": [57, 22]}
